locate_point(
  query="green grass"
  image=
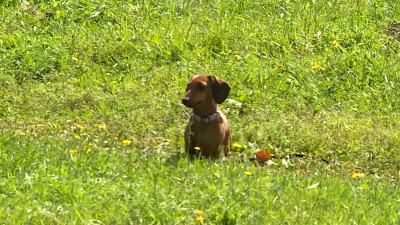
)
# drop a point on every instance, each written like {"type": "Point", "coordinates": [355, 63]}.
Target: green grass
{"type": "Point", "coordinates": [122, 184]}
{"type": "Point", "coordinates": [299, 94]}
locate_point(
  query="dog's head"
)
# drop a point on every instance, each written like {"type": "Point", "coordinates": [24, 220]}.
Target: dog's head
{"type": "Point", "coordinates": [205, 90]}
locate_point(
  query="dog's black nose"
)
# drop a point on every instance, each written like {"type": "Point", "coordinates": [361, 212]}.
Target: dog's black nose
{"type": "Point", "coordinates": [184, 101]}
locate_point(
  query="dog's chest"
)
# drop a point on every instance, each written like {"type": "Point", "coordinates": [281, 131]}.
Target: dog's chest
{"type": "Point", "coordinates": [208, 134]}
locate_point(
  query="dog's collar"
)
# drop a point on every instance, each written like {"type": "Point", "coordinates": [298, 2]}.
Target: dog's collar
{"type": "Point", "coordinates": [206, 119]}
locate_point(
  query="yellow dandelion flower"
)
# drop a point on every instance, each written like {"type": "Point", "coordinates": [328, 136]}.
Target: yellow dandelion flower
{"type": "Point", "coordinates": [90, 144]}
{"type": "Point", "coordinates": [126, 142]}
{"type": "Point", "coordinates": [267, 177]}
{"type": "Point", "coordinates": [316, 67]}
{"type": "Point", "coordinates": [236, 145]}
{"type": "Point", "coordinates": [80, 127]}
{"type": "Point", "coordinates": [116, 139]}
{"type": "Point", "coordinates": [22, 133]}
{"type": "Point", "coordinates": [335, 44]}
{"type": "Point", "coordinates": [75, 59]}
{"type": "Point", "coordinates": [197, 148]}
{"type": "Point", "coordinates": [199, 219]}
{"type": "Point", "coordinates": [73, 151]}
{"type": "Point", "coordinates": [199, 212]}
{"type": "Point", "coordinates": [357, 175]}
{"type": "Point", "coordinates": [237, 57]}
{"type": "Point", "coordinates": [89, 150]}
{"type": "Point", "coordinates": [101, 126]}
{"type": "Point", "coordinates": [77, 136]}
{"type": "Point", "coordinates": [248, 173]}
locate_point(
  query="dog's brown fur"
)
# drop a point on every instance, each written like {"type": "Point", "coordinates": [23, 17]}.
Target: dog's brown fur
{"type": "Point", "coordinates": [203, 94]}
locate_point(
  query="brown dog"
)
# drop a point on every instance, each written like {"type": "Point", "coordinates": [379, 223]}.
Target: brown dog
{"type": "Point", "coordinates": [207, 131]}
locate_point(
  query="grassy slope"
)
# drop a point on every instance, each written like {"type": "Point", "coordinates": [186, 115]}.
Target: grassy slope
{"type": "Point", "coordinates": [133, 62]}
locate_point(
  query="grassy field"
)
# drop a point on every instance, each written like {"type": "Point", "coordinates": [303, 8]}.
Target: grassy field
{"type": "Point", "coordinates": [91, 124]}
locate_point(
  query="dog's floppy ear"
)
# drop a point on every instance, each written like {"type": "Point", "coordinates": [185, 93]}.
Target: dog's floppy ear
{"type": "Point", "coordinates": [220, 89]}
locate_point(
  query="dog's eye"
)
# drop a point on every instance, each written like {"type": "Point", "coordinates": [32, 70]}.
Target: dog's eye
{"type": "Point", "coordinates": [201, 87]}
